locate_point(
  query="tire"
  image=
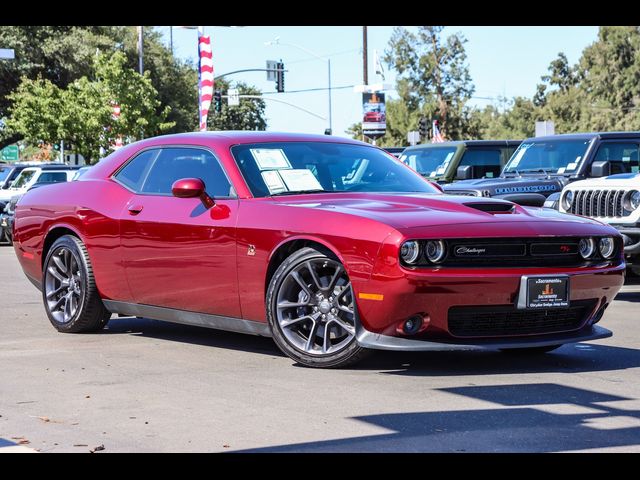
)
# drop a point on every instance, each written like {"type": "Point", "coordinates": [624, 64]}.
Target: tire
{"type": "Point", "coordinates": [326, 307]}
{"type": "Point", "coordinates": [530, 350]}
{"type": "Point", "coordinates": [73, 306]}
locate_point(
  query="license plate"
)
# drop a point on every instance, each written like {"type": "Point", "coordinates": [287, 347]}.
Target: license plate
{"type": "Point", "coordinates": [544, 292]}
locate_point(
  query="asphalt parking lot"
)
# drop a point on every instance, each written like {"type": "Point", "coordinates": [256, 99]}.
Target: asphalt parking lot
{"type": "Point", "coordinates": [148, 386]}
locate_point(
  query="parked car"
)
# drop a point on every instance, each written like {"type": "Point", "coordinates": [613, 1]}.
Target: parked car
{"type": "Point", "coordinates": [80, 172]}
{"type": "Point", "coordinates": [7, 214]}
{"type": "Point", "coordinates": [31, 175]}
{"type": "Point", "coordinates": [542, 166]}
{"type": "Point", "coordinates": [375, 116]}
{"type": "Point", "coordinates": [9, 172]}
{"type": "Point", "coordinates": [395, 151]}
{"type": "Point", "coordinates": [324, 243]}
{"type": "Point", "coordinates": [460, 160]}
{"type": "Point", "coordinates": [614, 200]}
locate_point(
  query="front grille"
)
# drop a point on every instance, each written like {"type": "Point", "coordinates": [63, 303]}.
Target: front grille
{"type": "Point", "coordinates": [513, 252]}
{"type": "Point", "coordinates": [506, 320]}
{"type": "Point", "coordinates": [599, 203]}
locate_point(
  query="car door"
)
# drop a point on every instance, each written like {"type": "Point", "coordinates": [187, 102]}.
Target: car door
{"type": "Point", "coordinates": [177, 253]}
{"type": "Point", "coordinates": [622, 155]}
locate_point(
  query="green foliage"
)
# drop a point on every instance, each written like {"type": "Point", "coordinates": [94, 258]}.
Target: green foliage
{"type": "Point", "coordinates": [249, 115]}
{"type": "Point", "coordinates": [82, 113]}
{"type": "Point", "coordinates": [433, 80]}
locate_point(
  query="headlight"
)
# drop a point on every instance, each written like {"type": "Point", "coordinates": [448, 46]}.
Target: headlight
{"type": "Point", "coordinates": [587, 247]}
{"type": "Point", "coordinates": [632, 200]}
{"type": "Point", "coordinates": [435, 251]}
{"type": "Point", "coordinates": [567, 200]}
{"type": "Point", "coordinates": [607, 247]}
{"type": "Point", "coordinates": [410, 251]}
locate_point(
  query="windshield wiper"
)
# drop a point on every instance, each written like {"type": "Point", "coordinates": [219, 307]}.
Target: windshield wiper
{"type": "Point", "coordinates": [296, 192]}
{"type": "Point", "coordinates": [536, 170]}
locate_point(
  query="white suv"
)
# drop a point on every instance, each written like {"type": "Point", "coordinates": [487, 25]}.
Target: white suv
{"type": "Point", "coordinates": [34, 175]}
{"type": "Point", "coordinates": [614, 200]}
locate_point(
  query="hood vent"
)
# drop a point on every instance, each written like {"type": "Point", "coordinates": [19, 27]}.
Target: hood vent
{"type": "Point", "coordinates": [493, 208]}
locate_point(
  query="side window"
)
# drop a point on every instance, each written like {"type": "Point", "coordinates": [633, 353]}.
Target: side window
{"type": "Point", "coordinates": [175, 163]}
{"type": "Point", "coordinates": [134, 172]}
{"type": "Point", "coordinates": [486, 162]}
{"type": "Point", "coordinates": [622, 156]}
{"type": "Point", "coordinates": [48, 177]}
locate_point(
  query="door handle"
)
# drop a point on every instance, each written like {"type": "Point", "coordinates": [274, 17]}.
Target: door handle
{"type": "Point", "coordinates": [135, 209]}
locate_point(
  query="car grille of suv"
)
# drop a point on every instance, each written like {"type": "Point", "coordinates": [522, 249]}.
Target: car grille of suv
{"type": "Point", "coordinates": [506, 320]}
{"type": "Point", "coordinates": [599, 203]}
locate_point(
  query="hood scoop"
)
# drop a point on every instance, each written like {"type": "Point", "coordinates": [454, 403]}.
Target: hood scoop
{"type": "Point", "coordinates": [493, 207]}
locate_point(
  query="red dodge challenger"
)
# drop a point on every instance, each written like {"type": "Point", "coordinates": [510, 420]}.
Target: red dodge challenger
{"type": "Point", "coordinates": [329, 245]}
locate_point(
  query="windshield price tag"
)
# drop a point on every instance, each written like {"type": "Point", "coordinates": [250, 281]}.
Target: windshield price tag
{"type": "Point", "coordinates": [270, 158]}
{"type": "Point", "coordinates": [300, 179]}
{"type": "Point", "coordinates": [273, 181]}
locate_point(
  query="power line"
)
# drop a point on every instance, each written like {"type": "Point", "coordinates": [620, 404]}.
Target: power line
{"type": "Point", "coordinates": [311, 90]}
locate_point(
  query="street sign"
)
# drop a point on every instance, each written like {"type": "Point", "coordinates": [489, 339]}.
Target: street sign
{"type": "Point", "coordinates": [413, 137]}
{"type": "Point", "coordinates": [272, 66]}
{"type": "Point", "coordinates": [7, 54]}
{"type": "Point", "coordinates": [10, 153]}
{"type": "Point", "coordinates": [233, 97]}
{"type": "Point", "coordinates": [545, 128]}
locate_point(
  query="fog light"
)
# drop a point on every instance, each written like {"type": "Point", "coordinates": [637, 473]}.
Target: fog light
{"type": "Point", "coordinates": [587, 247]}
{"type": "Point", "coordinates": [607, 247]}
{"type": "Point", "coordinates": [412, 325]}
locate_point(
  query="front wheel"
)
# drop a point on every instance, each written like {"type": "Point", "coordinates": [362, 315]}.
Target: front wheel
{"type": "Point", "coordinates": [69, 289]}
{"type": "Point", "coordinates": [312, 311]}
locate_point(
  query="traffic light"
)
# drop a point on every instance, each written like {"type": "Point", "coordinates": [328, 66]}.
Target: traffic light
{"type": "Point", "coordinates": [327, 131]}
{"type": "Point", "coordinates": [280, 77]}
{"type": "Point", "coordinates": [217, 101]}
{"type": "Point", "coordinates": [56, 147]}
{"type": "Point", "coordinates": [422, 128]}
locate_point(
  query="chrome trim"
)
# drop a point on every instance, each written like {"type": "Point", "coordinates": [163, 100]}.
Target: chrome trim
{"type": "Point", "coordinates": [189, 318]}
{"type": "Point", "coordinates": [377, 341]}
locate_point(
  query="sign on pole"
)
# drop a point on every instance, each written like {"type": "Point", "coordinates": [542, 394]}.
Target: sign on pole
{"type": "Point", "coordinates": [413, 137]}
{"type": "Point", "coordinates": [545, 128]}
{"type": "Point", "coordinates": [374, 115]}
{"type": "Point", "coordinates": [10, 153]}
{"type": "Point", "coordinates": [7, 54]}
{"type": "Point", "coordinates": [272, 67]}
{"type": "Point", "coordinates": [233, 97]}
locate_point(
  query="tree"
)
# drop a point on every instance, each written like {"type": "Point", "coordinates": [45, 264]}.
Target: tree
{"type": "Point", "coordinates": [433, 78]}
{"type": "Point", "coordinates": [249, 115]}
{"type": "Point", "coordinates": [82, 113]}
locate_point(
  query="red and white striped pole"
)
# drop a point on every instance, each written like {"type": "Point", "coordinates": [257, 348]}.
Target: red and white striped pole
{"type": "Point", "coordinates": [205, 75]}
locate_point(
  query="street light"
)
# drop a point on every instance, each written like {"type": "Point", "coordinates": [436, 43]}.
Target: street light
{"type": "Point", "coordinates": [277, 41]}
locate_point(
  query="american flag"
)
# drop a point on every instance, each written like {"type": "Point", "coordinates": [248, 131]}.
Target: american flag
{"type": "Point", "coordinates": [437, 136]}
{"type": "Point", "coordinates": [205, 76]}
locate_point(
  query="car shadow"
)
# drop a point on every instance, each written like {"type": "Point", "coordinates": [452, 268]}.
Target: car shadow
{"type": "Point", "coordinates": [533, 417]}
{"type": "Point", "coordinates": [208, 337]}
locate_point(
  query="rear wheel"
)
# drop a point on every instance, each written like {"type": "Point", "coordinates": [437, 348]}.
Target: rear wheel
{"type": "Point", "coordinates": [312, 312]}
{"type": "Point", "coordinates": [69, 290]}
{"type": "Point", "coordinates": [530, 350]}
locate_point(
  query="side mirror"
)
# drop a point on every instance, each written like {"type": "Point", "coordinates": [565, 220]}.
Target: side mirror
{"type": "Point", "coordinates": [192, 188]}
{"type": "Point", "coordinates": [465, 172]}
{"type": "Point", "coordinates": [601, 169]}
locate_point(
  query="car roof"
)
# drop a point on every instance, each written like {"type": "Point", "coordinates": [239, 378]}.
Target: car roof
{"type": "Point", "coordinates": [587, 136]}
{"type": "Point", "coordinates": [255, 136]}
{"type": "Point", "coordinates": [468, 143]}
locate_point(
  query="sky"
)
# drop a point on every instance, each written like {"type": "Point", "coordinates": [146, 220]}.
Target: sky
{"type": "Point", "coordinates": [503, 61]}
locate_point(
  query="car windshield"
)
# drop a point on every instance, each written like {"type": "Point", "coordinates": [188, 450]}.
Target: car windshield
{"type": "Point", "coordinates": [4, 173]}
{"type": "Point", "coordinates": [23, 179]}
{"type": "Point", "coordinates": [430, 162]}
{"type": "Point", "coordinates": [548, 156]}
{"type": "Point", "coordinates": [309, 167]}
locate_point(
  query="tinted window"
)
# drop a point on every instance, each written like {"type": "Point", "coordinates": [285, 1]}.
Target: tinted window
{"type": "Point", "coordinates": [52, 177]}
{"type": "Point", "coordinates": [486, 162]}
{"type": "Point", "coordinates": [24, 178]}
{"type": "Point", "coordinates": [430, 161]}
{"type": "Point", "coordinates": [622, 156]}
{"type": "Point", "coordinates": [4, 173]}
{"type": "Point", "coordinates": [288, 167]}
{"type": "Point", "coordinates": [134, 172]}
{"type": "Point", "coordinates": [175, 163]}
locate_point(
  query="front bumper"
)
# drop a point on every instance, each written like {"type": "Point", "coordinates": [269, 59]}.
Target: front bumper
{"type": "Point", "coordinates": [385, 342]}
{"type": "Point", "coordinates": [631, 236]}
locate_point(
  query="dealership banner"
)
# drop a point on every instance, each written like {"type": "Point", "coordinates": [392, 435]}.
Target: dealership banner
{"type": "Point", "coordinates": [374, 116]}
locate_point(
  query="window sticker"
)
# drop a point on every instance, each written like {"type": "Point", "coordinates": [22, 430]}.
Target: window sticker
{"type": "Point", "coordinates": [572, 166]}
{"type": "Point", "coordinates": [300, 179]}
{"type": "Point", "coordinates": [273, 181]}
{"type": "Point", "coordinates": [562, 170]}
{"type": "Point", "coordinates": [440, 170]}
{"type": "Point", "coordinates": [635, 169]}
{"type": "Point", "coordinates": [578, 158]}
{"type": "Point", "coordinates": [432, 174]}
{"type": "Point", "coordinates": [448, 159]}
{"type": "Point", "coordinates": [626, 159]}
{"type": "Point", "coordinates": [270, 158]}
{"type": "Point", "coordinates": [489, 175]}
{"type": "Point", "coordinates": [515, 161]}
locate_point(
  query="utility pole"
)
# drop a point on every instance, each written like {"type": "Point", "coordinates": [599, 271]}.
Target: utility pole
{"type": "Point", "coordinates": [140, 51]}
{"type": "Point", "coordinates": [365, 66]}
{"type": "Point", "coordinates": [171, 39]}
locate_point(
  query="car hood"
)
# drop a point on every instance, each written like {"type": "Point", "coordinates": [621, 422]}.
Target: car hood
{"type": "Point", "coordinates": [505, 185]}
{"type": "Point", "coordinates": [623, 180]}
{"type": "Point", "coordinates": [417, 210]}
